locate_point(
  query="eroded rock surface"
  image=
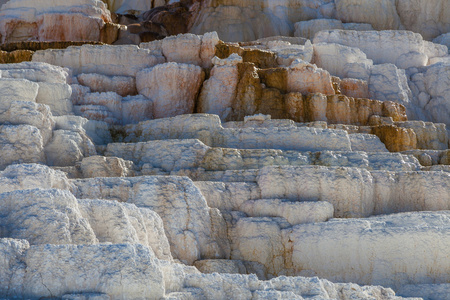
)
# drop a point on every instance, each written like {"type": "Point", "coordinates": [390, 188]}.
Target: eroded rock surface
{"type": "Point", "coordinates": [227, 165]}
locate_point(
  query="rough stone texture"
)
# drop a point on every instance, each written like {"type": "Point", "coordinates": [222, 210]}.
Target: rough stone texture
{"type": "Point", "coordinates": [13, 89]}
{"type": "Point", "coordinates": [366, 142]}
{"type": "Point", "coordinates": [443, 39]}
{"type": "Point", "coordinates": [231, 267]}
{"type": "Point", "coordinates": [372, 260]}
{"type": "Point", "coordinates": [20, 144]}
{"type": "Point", "coordinates": [44, 217]}
{"type": "Point", "coordinates": [83, 267]}
{"type": "Point", "coordinates": [207, 129]}
{"type": "Point", "coordinates": [100, 166]}
{"type": "Point", "coordinates": [121, 85]}
{"type": "Point", "coordinates": [125, 60]}
{"type": "Point", "coordinates": [427, 291]}
{"type": "Point", "coordinates": [308, 29]}
{"type": "Point", "coordinates": [172, 87]}
{"type": "Point", "coordinates": [339, 109]}
{"type": "Point", "coordinates": [189, 223]}
{"type": "Point", "coordinates": [429, 135]}
{"type": "Point", "coordinates": [36, 72]}
{"type": "Point", "coordinates": [68, 147]}
{"type": "Point", "coordinates": [436, 80]}
{"type": "Point", "coordinates": [31, 176]}
{"type": "Point", "coordinates": [13, 266]}
{"type": "Point", "coordinates": [294, 212]}
{"type": "Point", "coordinates": [56, 96]}
{"type": "Point", "coordinates": [426, 17]}
{"type": "Point", "coordinates": [219, 91]}
{"type": "Point", "coordinates": [354, 88]}
{"type": "Point", "coordinates": [377, 192]}
{"type": "Point", "coordinates": [75, 20]}
{"type": "Point", "coordinates": [117, 223]}
{"type": "Point", "coordinates": [17, 56]}
{"type": "Point", "coordinates": [342, 61]}
{"type": "Point", "coordinates": [266, 188]}
{"type": "Point", "coordinates": [389, 46]}
{"type": "Point", "coordinates": [395, 138]}
{"type": "Point", "coordinates": [189, 154]}
{"type": "Point", "coordinates": [127, 6]}
{"type": "Point", "coordinates": [387, 82]}
{"type": "Point", "coordinates": [28, 113]}
{"type": "Point", "coordinates": [187, 48]}
{"type": "Point", "coordinates": [306, 78]}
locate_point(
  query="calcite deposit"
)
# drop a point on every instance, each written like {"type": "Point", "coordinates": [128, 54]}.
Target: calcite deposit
{"type": "Point", "coordinates": [225, 149]}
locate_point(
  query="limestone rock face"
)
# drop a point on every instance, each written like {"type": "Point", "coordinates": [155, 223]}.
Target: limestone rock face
{"type": "Point", "coordinates": [372, 196]}
{"type": "Point", "coordinates": [75, 20]}
{"type": "Point", "coordinates": [36, 72]}
{"type": "Point", "coordinates": [121, 85]}
{"type": "Point", "coordinates": [401, 228]}
{"type": "Point", "coordinates": [306, 78]}
{"type": "Point", "coordinates": [18, 89]}
{"type": "Point", "coordinates": [387, 82]}
{"type": "Point", "coordinates": [436, 83]}
{"type": "Point", "coordinates": [20, 144]}
{"type": "Point", "coordinates": [174, 168]}
{"type": "Point", "coordinates": [31, 176]}
{"type": "Point", "coordinates": [207, 129]}
{"type": "Point", "coordinates": [401, 15]}
{"type": "Point", "coordinates": [105, 59]}
{"type": "Point", "coordinates": [68, 147]}
{"type": "Point", "coordinates": [219, 91]}
{"type": "Point", "coordinates": [114, 222]}
{"type": "Point", "coordinates": [443, 39]}
{"type": "Point", "coordinates": [13, 266]}
{"type": "Point", "coordinates": [44, 217]}
{"type": "Point", "coordinates": [399, 46]}
{"type": "Point", "coordinates": [188, 221]}
{"type": "Point", "coordinates": [172, 87]}
{"type": "Point", "coordinates": [136, 264]}
{"type": "Point", "coordinates": [308, 29]}
{"type": "Point", "coordinates": [396, 139]}
{"type": "Point", "coordinates": [30, 113]}
{"type": "Point", "coordinates": [294, 212]}
{"type": "Point", "coordinates": [99, 166]}
{"type": "Point", "coordinates": [187, 48]}
{"type": "Point", "coordinates": [352, 62]}
{"type": "Point", "coordinates": [338, 109]}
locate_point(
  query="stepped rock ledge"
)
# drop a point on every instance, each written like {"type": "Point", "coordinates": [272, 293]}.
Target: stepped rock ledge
{"type": "Point", "coordinates": [225, 149]}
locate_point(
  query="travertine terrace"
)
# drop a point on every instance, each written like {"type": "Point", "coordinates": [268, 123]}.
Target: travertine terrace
{"type": "Point", "coordinates": [201, 149]}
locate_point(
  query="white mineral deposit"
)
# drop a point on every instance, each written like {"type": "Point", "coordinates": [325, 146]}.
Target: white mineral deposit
{"type": "Point", "coordinates": [199, 149]}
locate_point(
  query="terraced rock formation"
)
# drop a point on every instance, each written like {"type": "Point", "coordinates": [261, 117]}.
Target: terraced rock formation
{"type": "Point", "coordinates": [314, 166]}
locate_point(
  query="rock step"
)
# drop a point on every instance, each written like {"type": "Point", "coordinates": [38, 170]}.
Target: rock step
{"type": "Point", "coordinates": [350, 250]}
{"type": "Point", "coordinates": [95, 112]}
{"type": "Point", "coordinates": [208, 129]}
{"type": "Point", "coordinates": [175, 155]}
{"type": "Point", "coordinates": [357, 192]}
{"type": "Point", "coordinates": [353, 192]}
{"type": "Point", "coordinates": [260, 132]}
{"type": "Point", "coordinates": [431, 157]}
{"type": "Point", "coordinates": [295, 212]}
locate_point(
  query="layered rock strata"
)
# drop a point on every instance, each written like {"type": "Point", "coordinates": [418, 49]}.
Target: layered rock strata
{"type": "Point", "coordinates": [192, 168]}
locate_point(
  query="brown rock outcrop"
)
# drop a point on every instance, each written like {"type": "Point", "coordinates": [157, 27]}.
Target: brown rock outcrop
{"type": "Point", "coordinates": [15, 56]}
{"type": "Point", "coordinates": [261, 58]}
{"type": "Point", "coordinates": [159, 22]}
{"type": "Point", "coordinates": [395, 138]}
{"type": "Point", "coordinates": [354, 88]}
{"type": "Point", "coordinates": [110, 33]}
